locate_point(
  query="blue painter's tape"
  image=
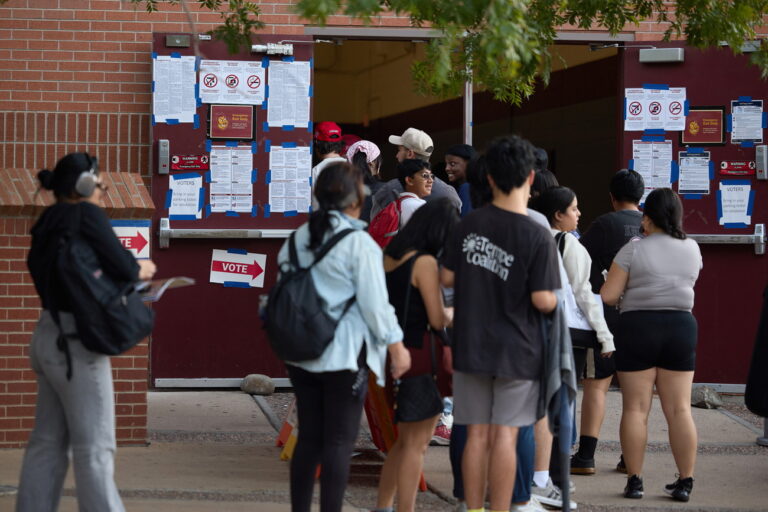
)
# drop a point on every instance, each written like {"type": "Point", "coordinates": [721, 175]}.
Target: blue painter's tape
{"type": "Point", "coordinates": [290, 213]}
{"type": "Point", "coordinates": [237, 251]}
{"type": "Point", "coordinates": [662, 87]}
{"type": "Point", "coordinates": [652, 138]}
{"type": "Point", "coordinates": [199, 102]}
{"type": "Point", "coordinates": [747, 144]}
{"type": "Point", "coordinates": [736, 182]}
{"type": "Point", "coordinates": [735, 225]}
{"type": "Point", "coordinates": [265, 62]}
{"type": "Point", "coordinates": [185, 176]}
{"type": "Point", "coordinates": [201, 199]}
{"type": "Point", "coordinates": [266, 91]}
{"type": "Point", "coordinates": [686, 107]}
{"type": "Point", "coordinates": [172, 121]}
{"type": "Point", "coordinates": [692, 196]}
{"type": "Point", "coordinates": [311, 91]}
{"type": "Point", "coordinates": [745, 99]}
{"type": "Point", "coordinates": [729, 123]}
{"type": "Point", "coordinates": [310, 181]}
{"type": "Point", "coordinates": [751, 202]}
{"type": "Point", "coordinates": [235, 284]}
{"type": "Point", "coordinates": [197, 91]}
{"type": "Point", "coordinates": [154, 55]}
{"type": "Point", "coordinates": [311, 146]}
{"type": "Point", "coordinates": [207, 211]}
{"type": "Point", "coordinates": [182, 217]}
{"type": "Point", "coordinates": [289, 144]}
{"type": "Point", "coordinates": [266, 211]}
{"type": "Point", "coordinates": [197, 64]}
{"type": "Point", "coordinates": [711, 170]}
{"type": "Point", "coordinates": [309, 210]}
{"type": "Point", "coordinates": [654, 131]}
{"type": "Point", "coordinates": [130, 223]}
{"type": "Point", "coordinates": [719, 202]}
{"type": "Point", "coordinates": [631, 164]}
{"type": "Point", "coordinates": [267, 145]}
{"type": "Point", "coordinates": [208, 145]}
{"type": "Point", "coordinates": [694, 151]}
{"type": "Point", "coordinates": [230, 213]}
{"type": "Point", "coordinates": [153, 86]}
{"type": "Point", "coordinates": [153, 120]}
{"type": "Point", "coordinates": [254, 147]}
{"type": "Point", "coordinates": [675, 174]}
{"type": "Point", "coordinates": [625, 109]}
{"type": "Point", "coordinates": [765, 120]}
{"type": "Point", "coordinates": [207, 176]}
{"type": "Point", "coordinates": [175, 55]}
{"type": "Point", "coordinates": [255, 211]}
{"type": "Point", "coordinates": [254, 175]}
{"type": "Point", "coordinates": [309, 128]}
{"type": "Point", "coordinates": [264, 105]}
{"type": "Point", "coordinates": [268, 177]}
{"type": "Point", "coordinates": [265, 126]}
{"type": "Point", "coordinates": [311, 62]}
{"type": "Point", "coordinates": [288, 127]}
{"type": "Point", "coordinates": [231, 143]}
{"type": "Point", "coordinates": [288, 58]}
{"type": "Point", "coordinates": [196, 122]}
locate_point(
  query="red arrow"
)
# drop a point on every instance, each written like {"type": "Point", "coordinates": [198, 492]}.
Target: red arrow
{"type": "Point", "coordinates": [230, 267]}
{"type": "Point", "coordinates": [136, 243]}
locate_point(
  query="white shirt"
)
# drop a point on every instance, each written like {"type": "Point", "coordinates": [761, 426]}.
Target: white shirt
{"type": "Point", "coordinates": [316, 170]}
{"type": "Point", "coordinates": [410, 203]}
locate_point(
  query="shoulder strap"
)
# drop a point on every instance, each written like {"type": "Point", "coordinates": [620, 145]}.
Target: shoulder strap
{"type": "Point", "coordinates": [560, 241]}
{"type": "Point", "coordinates": [327, 246]}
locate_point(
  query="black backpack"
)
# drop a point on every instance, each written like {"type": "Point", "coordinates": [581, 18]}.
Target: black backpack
{"type": "Point", "coordinates": [297, 325]}
{"type": "Point", "coordinates": [110, 316]}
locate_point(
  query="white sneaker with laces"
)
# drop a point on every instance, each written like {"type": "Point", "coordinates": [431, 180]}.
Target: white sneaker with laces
{"type": "Point", "coordinates": [550, 495]}
{"type": "Point", "coordinates": [533, 505]}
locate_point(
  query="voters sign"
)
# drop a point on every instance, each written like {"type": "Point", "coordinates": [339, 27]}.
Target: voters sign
{"type": "Point", "coordinates": [238, 268]}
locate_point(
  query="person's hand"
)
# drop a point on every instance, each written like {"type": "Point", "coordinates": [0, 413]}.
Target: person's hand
{"type": "Point", "coordinates": [448, 313]}
{"type": "Point", "coordinates": [147, 269]}
{"type": "Point", "coordinates": [400, 359]}
{"type": "Point", "coordinates": [607, 354]}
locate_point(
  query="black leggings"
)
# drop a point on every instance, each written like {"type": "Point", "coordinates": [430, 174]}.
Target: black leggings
{"type": "Point", "coordinates": [329, 409]}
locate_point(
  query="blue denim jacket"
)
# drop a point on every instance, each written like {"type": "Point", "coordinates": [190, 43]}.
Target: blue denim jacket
{"type": "Point", "coordinates": [353, 267]}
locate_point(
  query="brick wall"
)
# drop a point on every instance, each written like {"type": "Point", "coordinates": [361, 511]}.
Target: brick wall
{"type": "Point", "coordinates": [19, 309]}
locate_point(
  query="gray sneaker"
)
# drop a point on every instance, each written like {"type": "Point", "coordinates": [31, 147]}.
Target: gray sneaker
{"type": "Point", "coordinates": [551, 495]}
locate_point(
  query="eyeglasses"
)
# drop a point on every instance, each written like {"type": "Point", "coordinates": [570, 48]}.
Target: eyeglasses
{"type": "Point", "coordinates": [427, 176]}
{"type": "Point", "coordinates": [102, 187]}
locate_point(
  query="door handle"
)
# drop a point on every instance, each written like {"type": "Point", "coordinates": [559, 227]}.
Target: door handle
{"type": "Point", "coordinates": [166, 233]}
{"type": "Point", "coordinates": [757, 239]}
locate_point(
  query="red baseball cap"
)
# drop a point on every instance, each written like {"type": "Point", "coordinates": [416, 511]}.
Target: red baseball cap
{"type": "Point", "coordinates": [328, 131]}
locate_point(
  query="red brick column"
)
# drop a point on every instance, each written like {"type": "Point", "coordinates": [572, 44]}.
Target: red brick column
{"type": "Point", "coordinates": [20, 307]}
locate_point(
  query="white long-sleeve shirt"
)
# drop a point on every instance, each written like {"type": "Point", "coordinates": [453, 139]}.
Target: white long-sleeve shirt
{"type": "Point", "coordinates": [578, 265]}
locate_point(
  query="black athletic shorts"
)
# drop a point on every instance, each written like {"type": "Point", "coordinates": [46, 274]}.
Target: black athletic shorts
{"type": "Point", "coordinates": [590, 364]}
{"type": "Point", "coordinates": [664, 339]}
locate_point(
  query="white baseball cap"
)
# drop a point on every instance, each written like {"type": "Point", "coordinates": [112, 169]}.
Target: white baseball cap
{"type": "Point", "coordinates": [415, 140]}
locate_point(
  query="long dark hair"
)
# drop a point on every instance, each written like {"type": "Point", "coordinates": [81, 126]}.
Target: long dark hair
{"type": "Point", "coordinates": [427, 230]}
{"type": "Point", "coordinates": [664, 208]}
{"type": "Point", "coordinates": [553, 200]}
{"type": "Point", "coordinates": [339, 186]}
{"type": "Point", "coordinates": [360, 161]}
{"type": "Point", "coordinates": [64, 176]}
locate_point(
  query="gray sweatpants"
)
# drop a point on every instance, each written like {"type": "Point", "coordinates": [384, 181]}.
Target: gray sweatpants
{"type": "Point", "coordinates": [76, 414]}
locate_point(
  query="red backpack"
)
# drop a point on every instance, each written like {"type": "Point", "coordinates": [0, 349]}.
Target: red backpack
{"type": "Point", "coordinates": [385, 225]}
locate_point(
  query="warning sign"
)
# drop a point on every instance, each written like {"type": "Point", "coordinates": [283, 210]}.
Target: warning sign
{"type": "Point", "coordinates": [232, 82]}
{"type": "Point", "coordinates": [737, 168]}
{"type": "Point", "coordinates": [189, 162]}
{"type": "Point", "coordinates": [238, 268]}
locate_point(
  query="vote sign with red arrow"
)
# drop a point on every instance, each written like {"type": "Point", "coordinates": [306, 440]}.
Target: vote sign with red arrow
{"type": "Point", "coordinates": [134, 235]}
{"type": "Point", "coordinates": [235, 267]}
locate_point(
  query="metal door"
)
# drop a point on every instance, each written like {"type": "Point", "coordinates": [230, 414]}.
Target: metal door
{"type": "Point", "coordinates": [729, 289]}
{"type": "Point", "coordinates": [210, 335]}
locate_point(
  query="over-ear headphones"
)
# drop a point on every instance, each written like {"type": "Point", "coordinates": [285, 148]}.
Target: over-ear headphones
{"type": "Point", "coordinates": [87, 181]}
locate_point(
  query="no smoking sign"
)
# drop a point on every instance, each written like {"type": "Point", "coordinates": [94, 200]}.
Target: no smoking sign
{"type": "Point", "coordinates": [254, 82]}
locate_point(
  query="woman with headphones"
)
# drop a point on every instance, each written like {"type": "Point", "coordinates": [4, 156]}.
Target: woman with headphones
{"type": "Point", "coordinates": [76, 413]}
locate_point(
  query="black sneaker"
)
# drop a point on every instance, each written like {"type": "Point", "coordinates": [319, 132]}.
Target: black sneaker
{"type": "Point", "coordinates": [621, 467]}
{"type": "Point", "coordinates": [680, 489]}
{"type": "Point", "coordinates": [581, 466]}
{"type": "Point", "coordinates": [634, 488]}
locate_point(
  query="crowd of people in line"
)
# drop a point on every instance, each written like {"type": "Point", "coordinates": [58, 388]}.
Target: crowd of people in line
{"type": "Point", "coordinates": [454, 310]}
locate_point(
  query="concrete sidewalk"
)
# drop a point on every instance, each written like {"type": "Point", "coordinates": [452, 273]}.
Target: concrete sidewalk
{"type": "Point", "coordinates": [215, 450]}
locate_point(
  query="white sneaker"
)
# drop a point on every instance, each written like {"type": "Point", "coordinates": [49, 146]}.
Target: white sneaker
{"type": "Point", "coordinates": [533, 505]}
{"type": "Point", "coordinates": [461, 507]}
{"type": "Point", "coordinates": [550, 495]}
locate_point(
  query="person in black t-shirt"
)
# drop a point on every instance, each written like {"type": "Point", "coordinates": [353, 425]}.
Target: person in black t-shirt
{"type": "Point", "coordinates": [605, 236]}
{"type": "Point", "coordinates": [503, 267]}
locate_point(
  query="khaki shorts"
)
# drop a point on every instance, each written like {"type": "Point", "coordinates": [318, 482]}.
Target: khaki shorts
{"type": "Point", "coordinates": [486, 400]}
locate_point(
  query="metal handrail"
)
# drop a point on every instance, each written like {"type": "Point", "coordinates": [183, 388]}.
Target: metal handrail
{"type": "Point", "coordinates": [757, 239]}
{"type": "Point", "coordinates": [166, 233]}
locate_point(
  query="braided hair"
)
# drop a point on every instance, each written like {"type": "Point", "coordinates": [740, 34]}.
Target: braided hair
{"type": "Point", "coordinates": [664, 208]}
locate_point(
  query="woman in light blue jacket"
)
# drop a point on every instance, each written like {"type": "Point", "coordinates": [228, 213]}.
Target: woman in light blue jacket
{"type": "Point", "coordinates": [330, 390]}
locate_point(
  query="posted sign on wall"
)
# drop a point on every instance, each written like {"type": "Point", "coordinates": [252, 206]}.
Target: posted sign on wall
{"type": "Point", "coordinates": [238, 268]}
{"type": "Point", "coordinates": [134, 235]}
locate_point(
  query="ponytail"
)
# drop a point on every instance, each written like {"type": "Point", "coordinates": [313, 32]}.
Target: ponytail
{"type": "Point", "coordinates": [664, 208]}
